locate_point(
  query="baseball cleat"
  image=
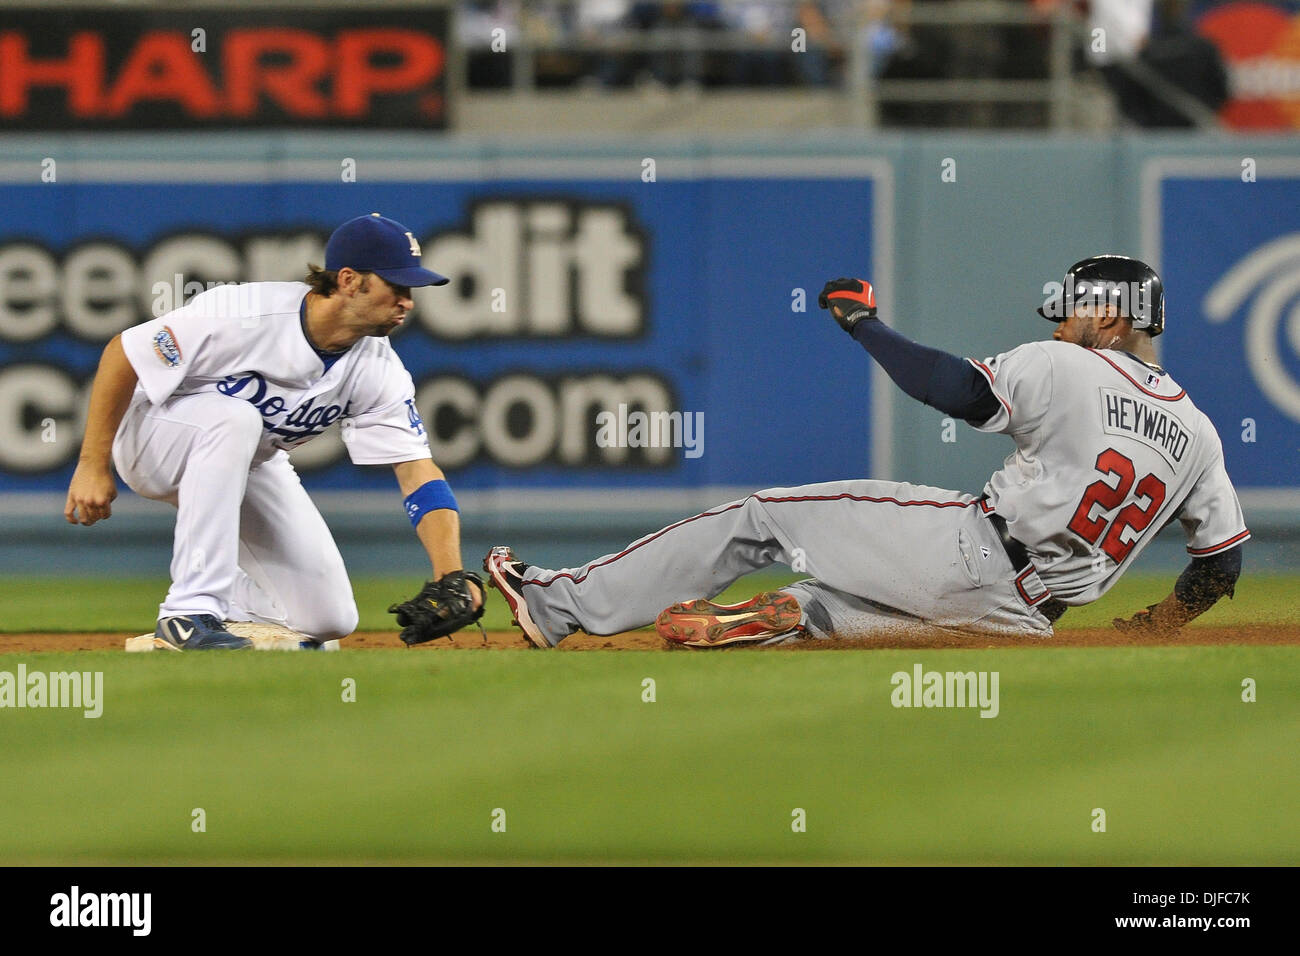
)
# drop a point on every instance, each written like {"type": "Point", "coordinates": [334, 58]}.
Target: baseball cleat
{"type": "Point", "coordinates": [198, 632]}
{"type": "Point", "coordinates": [506, 573]}
{"type": "Point", "coordinates": [702, 623]}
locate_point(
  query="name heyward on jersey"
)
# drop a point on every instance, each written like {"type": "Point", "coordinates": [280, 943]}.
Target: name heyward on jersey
{"type": "Point", "coordinates": [1155, 427]}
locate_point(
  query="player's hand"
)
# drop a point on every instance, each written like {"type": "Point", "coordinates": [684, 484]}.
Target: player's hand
{"type": "Point", "coordinates": [441, 608]}
{"type": "Point", "coordinates": [849, 301]}
{"type": "Point", "coordinates": [90, 494]}
{"type": "Point", "coordinates": [1148, 621]}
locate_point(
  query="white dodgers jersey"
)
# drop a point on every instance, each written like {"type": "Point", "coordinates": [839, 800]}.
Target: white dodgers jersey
{"type": "Point", "coordinates": [1108, 451]}
{"type": "Point", "coordinates": [247, 341]}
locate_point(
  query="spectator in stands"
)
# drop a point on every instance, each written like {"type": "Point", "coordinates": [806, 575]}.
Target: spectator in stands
{"type": "Point", "coordinates": [975, 52]}
{"type": "Point", "coordinates": [771, 23]}
{"type": "Point", "coordinates": [902, 51]}
{"type": "Point", "coordinates": [1188, 61]}
{"type": "Point", "coordinates": [1147, 61]}
{"type": "Point", "coordinates": [548, 26]}
{"type": "Point", "coordinates": [1117, 32]}
{"type": "Point", "coordinates": [677, 24]}
{"type": "Point", "coordinates": [595, 21]}
{"type": "Point", "coordinates": [475, 21]}
{"type": "Point", "coordinates": [757, 22]}
{"type": "Point", "coordinates": [880, 28]}
{"type": "Point", "coordinates": [483, 26]}
{"type": "Point", "coordinates": [821, 46]}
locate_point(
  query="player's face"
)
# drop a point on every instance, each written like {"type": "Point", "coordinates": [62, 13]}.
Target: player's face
{"type": "Point", "coordinates": [380, 306]}
{"type": "Point", "coordinates": [1080, 328]}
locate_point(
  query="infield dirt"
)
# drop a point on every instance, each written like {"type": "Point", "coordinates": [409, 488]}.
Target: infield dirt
{"type": "Point", "coordinates": [647, 640]}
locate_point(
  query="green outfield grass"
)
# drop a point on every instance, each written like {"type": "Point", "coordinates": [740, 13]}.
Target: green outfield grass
{"type": "Point", "coordinates": [285, 771]}
{"type": "Point", "coordinates": [131, 604]}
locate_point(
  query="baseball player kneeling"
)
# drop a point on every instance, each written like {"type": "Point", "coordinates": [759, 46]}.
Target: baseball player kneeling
{"type": "Point", "coordinates": [1109, 449]}
{"type": "Point", "coordinates": [201, 406]}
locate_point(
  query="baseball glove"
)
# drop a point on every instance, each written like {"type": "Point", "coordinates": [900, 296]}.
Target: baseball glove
{"type": "Point", "coordinates": [441, 608]}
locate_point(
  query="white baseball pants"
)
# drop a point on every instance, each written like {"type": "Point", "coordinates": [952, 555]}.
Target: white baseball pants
{"type": "Point", "coordinates": [249, 543]}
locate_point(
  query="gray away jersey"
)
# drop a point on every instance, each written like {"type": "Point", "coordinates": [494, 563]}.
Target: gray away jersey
{"type": "Point", "coordinates": [1108, 451]}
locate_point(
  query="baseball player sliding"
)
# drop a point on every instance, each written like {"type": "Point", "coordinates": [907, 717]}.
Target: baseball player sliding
{"type": "Point", "coordinates": [200, 408]}
{"type": "Point", "coordinates": [1109, 449]}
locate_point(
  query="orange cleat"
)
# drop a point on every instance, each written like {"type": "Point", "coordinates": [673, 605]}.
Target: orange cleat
{"type": "Point", "coordinates": [702, 623]}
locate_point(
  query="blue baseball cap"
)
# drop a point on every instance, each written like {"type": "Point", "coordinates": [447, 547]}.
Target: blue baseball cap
{"type": "Point", "coordinates": [382, 246]}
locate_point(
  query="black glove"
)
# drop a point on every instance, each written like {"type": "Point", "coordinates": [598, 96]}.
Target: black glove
{"type": "Point", "coordinates": [441, 608]}
{"type": "Point", "coordinates": [849, 300]}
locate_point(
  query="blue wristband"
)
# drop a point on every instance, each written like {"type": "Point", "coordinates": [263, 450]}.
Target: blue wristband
{"type": "Point", "coordinates": [430, 496]}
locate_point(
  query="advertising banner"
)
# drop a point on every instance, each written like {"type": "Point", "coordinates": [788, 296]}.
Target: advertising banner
{"type": "Point", "coordinates": [1229, 252]}
{"type": "Point", "coordinates": [1260, 45]}
{"type": "Point", "coordinates": [178, 68]}
{"type": "Point", "coordinates": [600, 330]}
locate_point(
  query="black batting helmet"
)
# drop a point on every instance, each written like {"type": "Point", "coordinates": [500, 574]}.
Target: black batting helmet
{"type": "Point", "coordinates": [1129, 284]}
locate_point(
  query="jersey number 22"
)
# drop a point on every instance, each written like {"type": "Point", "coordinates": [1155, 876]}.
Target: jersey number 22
{"type": "Point", "coordinates": [1090, 529]}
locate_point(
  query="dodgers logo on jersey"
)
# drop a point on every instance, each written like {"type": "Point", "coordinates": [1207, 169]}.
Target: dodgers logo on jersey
{"type": "Point", "coordinates": [300, 424]}
{"type": "Point", "coordinates": [412, 416]}
{"type": "Point", "coordinates": [166, 347]}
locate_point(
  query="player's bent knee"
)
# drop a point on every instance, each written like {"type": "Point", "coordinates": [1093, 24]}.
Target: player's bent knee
{"type": "Point", "coordinates": [347, 622]}
{"type": "Point", "coordinates": [329, 623]}
{"type": "Point", "coordinates": [237, 423]}
{"type": "Point", "coordinates": [243, 417]}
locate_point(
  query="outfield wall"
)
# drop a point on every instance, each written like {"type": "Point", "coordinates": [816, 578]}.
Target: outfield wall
{"type": "Point", "coordinates": [678, 277]}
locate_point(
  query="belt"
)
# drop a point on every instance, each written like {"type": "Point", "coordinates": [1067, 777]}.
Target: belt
{"type": "Point", "coordinates": [1016, 551]}
{"type": "Point", "coordinates": [1018, 554]}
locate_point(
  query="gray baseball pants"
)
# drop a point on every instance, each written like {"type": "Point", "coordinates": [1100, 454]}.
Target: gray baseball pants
{"type": "Point", "coordinates": [881, 555]}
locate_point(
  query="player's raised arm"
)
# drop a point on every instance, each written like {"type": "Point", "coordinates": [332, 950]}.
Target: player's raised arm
{"type": "Point", "coordinates": [939, 379]}
{"type": "Point", "coordinates": [92, 489]}
{"type": "Point", "coordinates": [453, 597]}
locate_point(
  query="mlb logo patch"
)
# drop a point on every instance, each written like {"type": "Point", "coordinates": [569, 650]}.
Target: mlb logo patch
{"type": "Point", "coordinates": [165, 347]}
{"type": "Point", "coordinates": [1152, 380]}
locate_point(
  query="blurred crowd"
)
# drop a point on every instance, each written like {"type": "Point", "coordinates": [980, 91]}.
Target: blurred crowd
{"type": "Point", "coordinates": [748, 43]}
{"type": "Point", "coordinates": [1155, 62]}
{"type": "Point", "coordinates": [710, 44]}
